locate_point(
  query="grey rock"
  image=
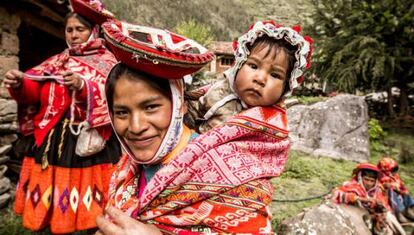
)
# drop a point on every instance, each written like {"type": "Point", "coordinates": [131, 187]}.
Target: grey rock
{"type": "Point", "coordinates": [4, 159]}
{"type": "Point", "coordinates": [5, 149]}
{"type": "Point", "coordinates": [326, 219]}
{"type": "Point", "coordinates": [4, 93]}
{"type": "Point", "coordinates": [7, 107]}
{"type": "Point", "coordinates": [3, 169]}
{"type": "Point", "coordinates": [8, 127]}
{"type": "Point", "coordinates": [4, 199]}
{"type": "Point", "coordinates": [336, 128]}
{"type": "Point", "coordinates": [4, 185]}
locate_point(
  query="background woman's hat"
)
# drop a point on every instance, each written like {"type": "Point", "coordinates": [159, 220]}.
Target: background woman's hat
{"type": "Point", "coordinates": [93, 10]}
{"type": "Point", "coordinates": [155, 51]}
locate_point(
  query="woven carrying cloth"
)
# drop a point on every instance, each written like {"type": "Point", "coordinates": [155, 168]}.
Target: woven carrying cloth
{"type": "Point", "coordinates": [218, 183]}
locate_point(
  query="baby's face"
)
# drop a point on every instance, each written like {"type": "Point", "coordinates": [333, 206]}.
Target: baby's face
{"type": "Point", "coordinates": [261, 79]}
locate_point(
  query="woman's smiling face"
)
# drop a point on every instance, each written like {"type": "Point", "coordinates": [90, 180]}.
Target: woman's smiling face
{"type": "Point", "coordinates": [141, 116]}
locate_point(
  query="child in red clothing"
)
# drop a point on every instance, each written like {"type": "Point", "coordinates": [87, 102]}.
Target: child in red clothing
{"type": "Point", "coordinates": [364, 190]}
{"type": "Point", "coordinates": [401, 202]}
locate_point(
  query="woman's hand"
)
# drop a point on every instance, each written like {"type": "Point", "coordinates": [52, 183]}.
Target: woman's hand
{"type": "Point", "coordinates": [73, 80]}
{"type": "Point", "coordinates": [13, 78]}
{"type": "Point", "coordinates": [122, 224]}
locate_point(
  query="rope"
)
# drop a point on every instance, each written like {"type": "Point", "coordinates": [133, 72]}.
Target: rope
{"type": "Point", "coordinates": [62, 139]}
{"type": "Point", "coordinates": [45, 162]}
{"type": "Point", "coordinates": [304, 199]}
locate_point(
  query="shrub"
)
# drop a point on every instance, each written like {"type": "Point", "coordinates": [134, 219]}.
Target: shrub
{"type": "Point", "coordinates": [376, 135]}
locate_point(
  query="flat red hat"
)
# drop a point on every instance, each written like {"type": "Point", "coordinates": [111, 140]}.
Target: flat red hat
{"type": "Point", "coordinates": [93, 10]}
{"type": "Point", "coordinates": [365, 166]}
{"type": "Point", "coordinates": [155, 51]}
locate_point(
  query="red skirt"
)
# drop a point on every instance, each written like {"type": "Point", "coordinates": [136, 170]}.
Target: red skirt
{"type": "Point", "coordinates": [71, 191]}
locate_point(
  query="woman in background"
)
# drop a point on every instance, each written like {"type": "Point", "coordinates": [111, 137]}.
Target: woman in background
{"type": "Point", "coordinates": [57, 187]}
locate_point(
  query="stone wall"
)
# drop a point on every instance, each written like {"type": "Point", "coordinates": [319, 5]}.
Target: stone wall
{"type": "Point", "coordinates": [9, 49]}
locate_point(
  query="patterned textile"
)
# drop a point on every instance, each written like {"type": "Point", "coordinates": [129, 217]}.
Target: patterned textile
{"type": "Point", "coordinates": [218, 183]}
{"type": "Point", "coordinates": [66, 199]}
{"type": "Point", "coordinates": [92, 61]}
{"type": "Point", "coordinates": [70, 192]}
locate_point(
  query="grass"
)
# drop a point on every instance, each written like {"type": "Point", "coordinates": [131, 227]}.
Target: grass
{"type": "Point", "coordinates": [10, 223]}
{"type": "Point", "coordinates": [305, 177]}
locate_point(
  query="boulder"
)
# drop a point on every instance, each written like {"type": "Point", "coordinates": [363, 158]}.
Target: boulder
{"type": "Point", "coordinates": [326, 219]}
{"type": "Point", "coordinates": [336, 128]}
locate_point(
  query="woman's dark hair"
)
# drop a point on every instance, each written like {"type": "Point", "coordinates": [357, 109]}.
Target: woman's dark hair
{"type": "Point", "coordinates": [84, 21]}
{"type": "Point", "coordinates": [369, 173]}
{"type": "Point", "coordinates": [161, 85]}
{"type": "Point", "coordinates": [276, 45]}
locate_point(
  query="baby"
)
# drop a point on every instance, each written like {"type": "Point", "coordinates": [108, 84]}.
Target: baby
{"type": "Point", "coordinates": [270, 62]}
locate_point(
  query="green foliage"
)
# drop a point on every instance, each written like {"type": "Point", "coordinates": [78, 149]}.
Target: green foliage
{"type": "Point", "coordinates": [226, 19]}
{"type": "Point", "coordinates": [376, 135]}
{"type": "Point", "coordinates": [196, 31]}
{"type": "Point", "coordinates": [364, 44]}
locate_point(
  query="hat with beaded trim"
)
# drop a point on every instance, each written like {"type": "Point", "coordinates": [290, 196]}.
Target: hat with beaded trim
{"type": "Point", "coordinates": [93, 10]}
{"type": "Point", "coordinates": [155, 51]}
{"type": "Point", "coordinates": [276, 31]}
{"type": "Point", "coordinates": [365, 166]}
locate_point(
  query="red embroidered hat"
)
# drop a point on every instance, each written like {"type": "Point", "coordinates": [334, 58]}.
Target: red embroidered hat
{"type": "Point", "coordinates": [155, 51]}
{"type": "Point", "coordinates": [93, 10]}
{"type": "Point", "coordinates": [365, 166]}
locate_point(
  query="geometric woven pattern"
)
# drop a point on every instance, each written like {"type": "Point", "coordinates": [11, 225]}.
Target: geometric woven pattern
{"type": "Point", "coordinates": [74, 199]}
{"type": "Point", "coordinates": [97, 196]}
{"type": "Point", "coordinates": [64, 201]}
{"type": "Point", "coordinates": [35, 196]}
{"type": "Point", "coordinates": [47, 197]}
{"type": "Point", "coordinates": [87, 198]}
